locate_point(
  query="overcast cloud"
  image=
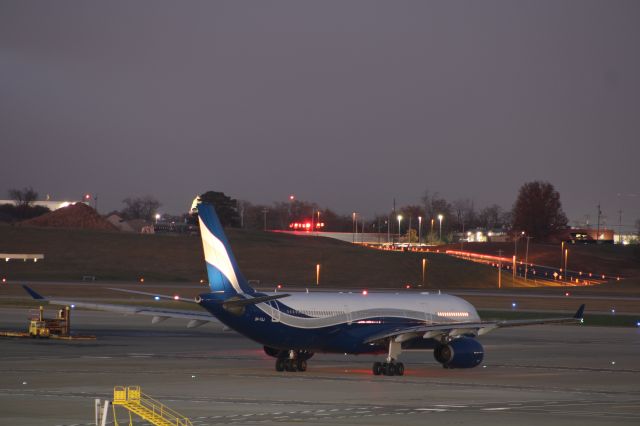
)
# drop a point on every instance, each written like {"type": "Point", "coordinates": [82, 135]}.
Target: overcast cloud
{"type": "Point", "coordinates": [346, 103]}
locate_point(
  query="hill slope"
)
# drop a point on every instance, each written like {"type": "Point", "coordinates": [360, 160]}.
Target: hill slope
{"type": "Point", "coordinates": [268, 257]}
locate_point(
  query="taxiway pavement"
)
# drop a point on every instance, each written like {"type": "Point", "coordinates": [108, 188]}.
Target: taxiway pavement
{"type": "Point", "coordinates": [552, 375]}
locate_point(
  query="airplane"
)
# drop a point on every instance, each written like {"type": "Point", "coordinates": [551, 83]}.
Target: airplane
{"type": "Point", "coordinates": [293, 326]}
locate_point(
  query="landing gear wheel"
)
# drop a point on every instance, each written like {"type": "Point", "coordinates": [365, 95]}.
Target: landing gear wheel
{"type": "Point", "coordinates": [301, 365]}
{"type": "Point", "coordinates": [389, 369]}
{"type": "Point", "coordinates": [280, 364]}
{"type": "Point", "coordinates": [400, 369]}
{"type": "Point", "coordinates": [290, 365]}
{"type": "Point", "coordinates": [306, 355]}
{"type": "Point", "coordinates": [377, 368]}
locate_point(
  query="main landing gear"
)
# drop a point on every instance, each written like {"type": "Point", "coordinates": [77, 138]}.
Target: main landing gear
{"type": "Point", "coordinates": [292, 360]}
{"type": "Point", "coordinates": [390, 367]}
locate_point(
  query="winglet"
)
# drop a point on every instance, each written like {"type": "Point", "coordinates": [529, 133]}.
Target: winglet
{"type": "Point", "coordinates": [33, 293]}
{"type": "Point", "coordinates": [580, 312]}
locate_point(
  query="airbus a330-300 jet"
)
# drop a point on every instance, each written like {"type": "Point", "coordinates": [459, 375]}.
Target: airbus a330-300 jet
{"type": "Point", "coordinates": [293, 326]}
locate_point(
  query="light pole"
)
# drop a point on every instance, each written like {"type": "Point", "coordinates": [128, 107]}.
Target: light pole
{"type": "Point", "coordinates": [499, 268]}
{"type": "Point", "coordinates": [409, 232]}
{"type": "Point", "coordinates": [356, 226]}
{"type": "Point", "coordinates": [399, 220]}
{"type": "Point", "coordinates": [388, 230]}
{"type": "Point", "coordinates": [515, 251]}
{"type": "Point", "coordinates": [291, 199]}
{"type": "Point", "coordinates": [515, 244]}
{"type": "Point", "coordinates": [157, 217]}
{"type": "Point", "coordinates": [419, 230]}
{"type": "Point", "coordinates": [264, 216]}
{"type": "Point", "coordinates": [353, 227]}
{"type": "Point", "coordinates": [440, 217]}
{"type": "Point", "coordinates": [424, 269]}
{"type": "Point", "coordinates": [561, 253]}
{"type": "Point", "coordinates": [431, 234]}
{"type": "Point", "coordinates": [526, 259]}
{"type": "Point", "coordinates": [566, 256]}
{"type": "Point", "coordinates": [318, 274]}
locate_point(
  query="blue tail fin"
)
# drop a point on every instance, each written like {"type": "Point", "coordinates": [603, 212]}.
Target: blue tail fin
{"type": "Point", "coordinates": [222, 268]}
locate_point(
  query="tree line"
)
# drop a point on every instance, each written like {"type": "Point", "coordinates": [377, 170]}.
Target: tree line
{"type": "Point", "coordinates": [537, 211]}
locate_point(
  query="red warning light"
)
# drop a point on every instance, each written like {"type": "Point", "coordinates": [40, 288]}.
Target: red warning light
{"type": "Point", "coordinates": [365, 292]}
{"type": "Point", "coordinates": [408, 286]}
{"type": "Point", "coordinates": [87, 196]}
{"type": "Point", "coordinates": [141, 280]}
{"type": "Point", "coordinates": [176, 297]}
{"type": "Point", "coordinates": [279, 285]}
{"type": "Point", "coordinates": [4, 280]}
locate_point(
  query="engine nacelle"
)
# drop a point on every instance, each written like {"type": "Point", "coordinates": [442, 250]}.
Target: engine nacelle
{"type": "Point", "coordinates": [463, 352]}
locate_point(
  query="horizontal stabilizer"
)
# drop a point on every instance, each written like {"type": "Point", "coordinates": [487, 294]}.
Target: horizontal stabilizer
{"type": "Point", "coordinates": [33, 293]}
{"type": "Point", "coordinates": [580, 313]}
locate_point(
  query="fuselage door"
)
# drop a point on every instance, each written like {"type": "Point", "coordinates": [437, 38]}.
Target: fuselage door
{"type": "Point", "coordinates": [275, 312]}
{"type": "Point", "coordinates": [347, 312]}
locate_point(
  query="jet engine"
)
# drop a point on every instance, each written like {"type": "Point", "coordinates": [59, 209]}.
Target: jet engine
{"type": "Point", "coordinates": [463, 352]}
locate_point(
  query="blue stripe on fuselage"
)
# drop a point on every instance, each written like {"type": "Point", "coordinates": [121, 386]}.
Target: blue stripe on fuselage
{"type": "Point", "coordinates": [339, 338]}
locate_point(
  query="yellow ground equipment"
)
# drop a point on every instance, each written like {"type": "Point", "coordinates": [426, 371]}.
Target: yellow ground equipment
{"type": "Point", "coordinates": [54, 328]}
{"type": "Point", "coordinates": [145, 407]}
{"type": "Point", "coordinates": [39, 326]}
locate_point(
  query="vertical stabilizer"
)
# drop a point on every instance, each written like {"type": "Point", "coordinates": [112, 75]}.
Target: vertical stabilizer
{"type": "Point", "coordinates": [222, 268]}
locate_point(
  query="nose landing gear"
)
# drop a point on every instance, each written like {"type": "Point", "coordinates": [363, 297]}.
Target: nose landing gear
{"type": "Point", "coordinates": [390, 367]}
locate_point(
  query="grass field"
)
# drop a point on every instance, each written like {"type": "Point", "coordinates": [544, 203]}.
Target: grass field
{"type": "Point", "coordinates": [272, 258]}
{"type": "Point", "coordinates": [269, 258]}
{"type": "Point", "coordinates": [598, 259]}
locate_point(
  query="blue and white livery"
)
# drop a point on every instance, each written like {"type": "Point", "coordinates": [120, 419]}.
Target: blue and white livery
{"type": "Point", "coordinates": [294, 326]}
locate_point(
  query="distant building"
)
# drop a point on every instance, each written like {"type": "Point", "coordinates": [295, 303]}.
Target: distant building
{"type": "Point", "coordinates": [50, 204]}
{"type": "Point", "coordinates": [626, 239]}
{"type": "Point", "coordinates": [482, 235]}
{"type": "Point", "coordinates": [585, 235]}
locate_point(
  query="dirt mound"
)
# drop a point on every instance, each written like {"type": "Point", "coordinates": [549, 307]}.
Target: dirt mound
{"type": "Point", "coordinates": [77, 215]}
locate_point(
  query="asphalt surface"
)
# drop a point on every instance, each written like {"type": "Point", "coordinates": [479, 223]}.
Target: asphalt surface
{"type": "Point", "coordinates": [564, 375]}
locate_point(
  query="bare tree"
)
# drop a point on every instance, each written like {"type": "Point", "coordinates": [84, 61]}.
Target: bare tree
{"type": "Point", "coordinates": [464, 213]}
{"type": "Point", "coordinates": [491, 217]}
{"type": "Point", "coordinates": [140, 207]}
{"type": "Point", "coordinates": [23, 197]}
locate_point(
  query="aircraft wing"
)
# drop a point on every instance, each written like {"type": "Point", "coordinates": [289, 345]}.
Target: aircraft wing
{"type": "Point", "coordinates": [195, 318]}
{"type": "Point", "coordinates": [468, 328]}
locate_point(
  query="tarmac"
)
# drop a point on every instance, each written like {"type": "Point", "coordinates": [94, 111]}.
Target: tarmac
{"type": "Point", "coordinates": [556, 375]}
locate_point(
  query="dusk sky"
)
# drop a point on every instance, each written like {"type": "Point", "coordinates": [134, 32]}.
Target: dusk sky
{"type": "Point", "coordinates": [346, 103]}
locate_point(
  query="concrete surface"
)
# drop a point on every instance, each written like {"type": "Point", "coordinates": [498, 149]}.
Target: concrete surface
{"type": "Point", "coordinates": [564, 375]}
